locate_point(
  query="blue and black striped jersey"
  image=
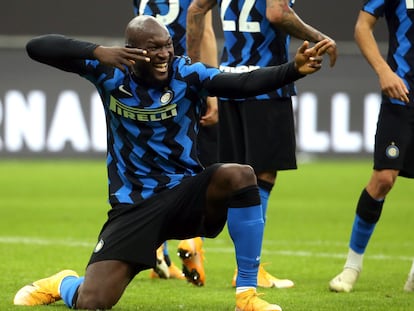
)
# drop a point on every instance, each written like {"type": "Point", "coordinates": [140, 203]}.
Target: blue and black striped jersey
{"type": "Point", "coordinates": [152, 130]}
{"type": "Point", "coordinates": [399, 16]}
{"type": "Point", "coordinates": [151, 142]}
{"type": "Point", "coordinates": [250, 41]}
{"type": "Point", "coordinates": [171, 13]}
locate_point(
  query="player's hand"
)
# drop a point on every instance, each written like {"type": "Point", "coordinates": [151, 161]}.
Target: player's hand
{"type": "Point", "coordinates": [393, 86]}
{"type": "Point", "coordinates": [333, 53]}
{"type": "Point", "coordinates": [120, 57]}
{"type": "Point", "coordinates": [211, 115]}
{"type": "Point", "coordinates": [309, 59]}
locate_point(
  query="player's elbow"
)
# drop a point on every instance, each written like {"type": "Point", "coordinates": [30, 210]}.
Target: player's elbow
{"type": "Point", "coordinates": [358, 35]}
{"type": "Point", "coordinates": [195, 9]}
{"type": "Point", "coordinates": [274, 17]}
{"type": "Point", "coordinates": [32, 47]}
{"type": "Point", "coordinates": [191, 9]}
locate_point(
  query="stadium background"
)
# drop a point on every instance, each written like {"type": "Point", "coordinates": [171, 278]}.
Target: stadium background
{"type": "Point", "coordinates": [44, 112]}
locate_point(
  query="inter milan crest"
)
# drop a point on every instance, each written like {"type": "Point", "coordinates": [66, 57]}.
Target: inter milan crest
{"type": "Point", "coordinates": [167, 97]}
{"type": "Point", "coordinates": [99, 246]}
{"type": "Point", "coordinates": [392, 151]}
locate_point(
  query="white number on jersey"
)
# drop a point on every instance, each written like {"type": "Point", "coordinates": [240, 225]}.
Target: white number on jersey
{"type": "Point", "coordinates": [244, 24]}
{"type": "Point", "coordinates": [168, 18]}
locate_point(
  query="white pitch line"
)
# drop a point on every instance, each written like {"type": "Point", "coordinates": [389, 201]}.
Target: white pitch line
{"type": "Point", "coordinates": [265, 251]}
{"type": "Point", "coordinates": [42, 241]}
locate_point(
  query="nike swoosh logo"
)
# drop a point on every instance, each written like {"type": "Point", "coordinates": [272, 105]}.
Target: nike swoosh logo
{"type": "Point", "coordinates": [123, 90]}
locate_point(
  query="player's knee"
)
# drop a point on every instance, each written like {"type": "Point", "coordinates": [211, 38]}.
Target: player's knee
{"type": "Point", "coordinates": [384, 183]}
{"type": "Point", "coordinates": [240, 176]}
{"type": "Point", "coordinates": [246, 176]}
{"type": "Point", "coordinates": [94, 305]}
{"type": "Point", "coordinates": [92, 300]}
{"type": "Point", "coordinates": [381, 183]}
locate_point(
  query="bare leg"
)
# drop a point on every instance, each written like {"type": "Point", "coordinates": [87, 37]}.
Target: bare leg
{"type": "Point", "coordinates": [104, 284]}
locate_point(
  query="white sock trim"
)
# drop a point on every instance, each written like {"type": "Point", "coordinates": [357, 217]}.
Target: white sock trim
{"type": "Point", "coordinates": [354, 260]}
{"type": "Point", "coordinates": [243, 289]}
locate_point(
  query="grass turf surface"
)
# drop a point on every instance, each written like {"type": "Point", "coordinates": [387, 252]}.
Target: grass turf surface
{"type": "Point", "coordinates": [52, 211]}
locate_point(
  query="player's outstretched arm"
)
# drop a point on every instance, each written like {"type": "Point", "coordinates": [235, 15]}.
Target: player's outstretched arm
{"type": "Point", "coordinates": [263, 80]}
{"type": "Point", "coordinates": [67, 53]}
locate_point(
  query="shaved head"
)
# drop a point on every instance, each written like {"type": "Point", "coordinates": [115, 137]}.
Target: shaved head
{"type": "Point", "coordinates": [146, 33]}
{"type": "Point", "coordinates": [141, 27]}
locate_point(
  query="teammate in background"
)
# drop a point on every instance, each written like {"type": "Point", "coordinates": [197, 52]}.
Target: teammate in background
{"type": "Point", "coordinates": [394, 139]}
{"type": "Point", "coordinates": [256, 34]}
{"type": "Point", "coordinates": [158, 190]}
{"type": "Point", "coordinates": [173, 15]}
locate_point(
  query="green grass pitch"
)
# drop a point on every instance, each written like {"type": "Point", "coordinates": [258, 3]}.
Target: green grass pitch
{"type": "Point", "coordinates": [52, 211]}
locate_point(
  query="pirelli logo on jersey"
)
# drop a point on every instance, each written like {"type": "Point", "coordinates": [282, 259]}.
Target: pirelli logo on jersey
{"type": "Point", "coordinates": [138, 114]}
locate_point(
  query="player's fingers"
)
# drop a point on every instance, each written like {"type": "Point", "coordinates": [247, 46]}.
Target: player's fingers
{"type": "Point", "coordinates": [134, 54]}
{"type": "Point", "coordinates": [136, 51]}
{"type": "Point", "coordinates": [316, 62]}
{"type": "Point", "coordinates": [303, 47]}
{"type": "Point", "coordinates": [316, 59]}
{"type": "Point", "coordinates": [405, 98]}
{"type": "Point", "coordinates": [319, 45]}
{"type": "Point", "coordinates": [332, 55]}
{"type": "Point", "coordinates": [323, 46]}
{"type": "Point", "coordinates": [395, 92]}
{"type": "Point", "coordinates": [404, 94]}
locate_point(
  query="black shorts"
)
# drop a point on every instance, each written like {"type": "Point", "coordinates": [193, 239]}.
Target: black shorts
{"type": "Point", "coordinates": [133, 232]}
{"type": "Point", "coordinates": [258, 133]}
{"type": "Point", "coordinates": [394, 139]}
{"type": "Point", "coordinates": [208, 145]}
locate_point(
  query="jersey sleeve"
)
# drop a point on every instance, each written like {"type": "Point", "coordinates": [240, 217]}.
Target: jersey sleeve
{"type": "Point", "coordinates": [253, 83]}
{"type": "Point", "coordinates": [375, 8]}
{"type": "Point", "coordinates": [61, 52]}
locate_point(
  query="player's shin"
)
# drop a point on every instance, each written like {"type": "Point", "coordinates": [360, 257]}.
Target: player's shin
{"type": "Point", "coordinates": [245, 225]}
{"type": "Point", "coordinates": [368, 213]}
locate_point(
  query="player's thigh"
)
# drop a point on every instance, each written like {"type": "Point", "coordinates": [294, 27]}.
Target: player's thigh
{"type": "Point", "coordinates": [394, 138]}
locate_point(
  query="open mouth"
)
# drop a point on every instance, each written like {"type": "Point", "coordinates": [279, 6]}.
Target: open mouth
{"type": "Point", "coordinates": [162, 67]}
